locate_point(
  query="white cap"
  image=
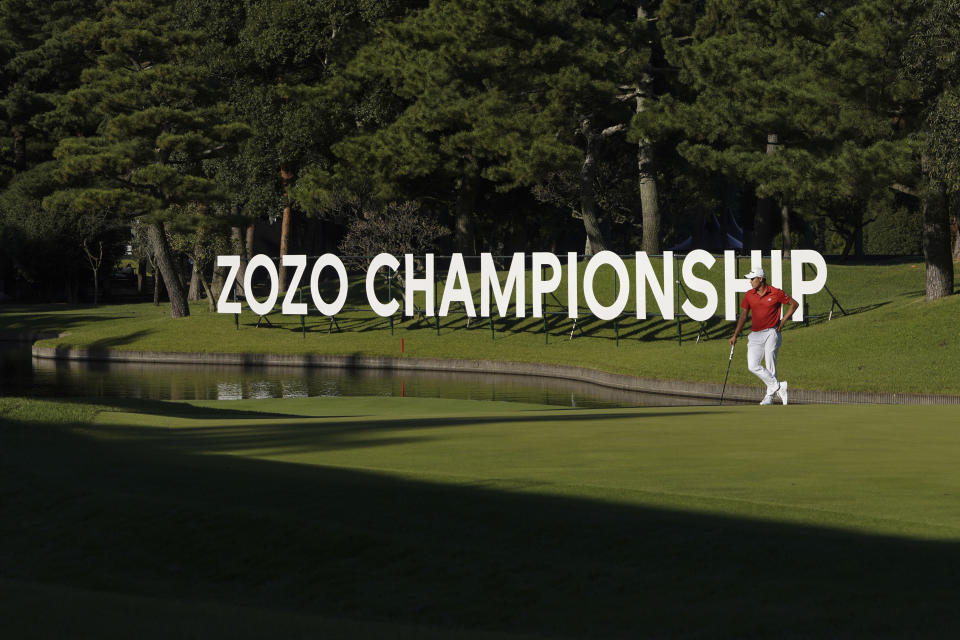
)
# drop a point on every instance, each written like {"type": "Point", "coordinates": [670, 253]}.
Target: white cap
{"type": "Point", "coordinates": [756, 273]}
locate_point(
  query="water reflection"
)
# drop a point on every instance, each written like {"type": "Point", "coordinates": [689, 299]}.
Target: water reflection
{"type": "Point", "coordinates": [21, 374]}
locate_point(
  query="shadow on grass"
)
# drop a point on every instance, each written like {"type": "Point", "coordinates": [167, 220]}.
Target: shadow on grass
{"type": "Point", "coordinates": [131, 517]}
{"type": "Point", "coordinates": [180, 409]}
{"type": "Point", "coordinates": [41, 322]}
{"type": "Point", "coordinates": [98, 352]}
{"type": "Point", "coordinates": [824, 316]}
{"type": "Point", "coordinates": [328, 433]}
{"type": "Point", "coordinates": [104, 345]}
{"type": "Point", "coordinates": [559, 326]}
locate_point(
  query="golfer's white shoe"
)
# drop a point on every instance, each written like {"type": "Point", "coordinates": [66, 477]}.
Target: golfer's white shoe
{"type": "Point", "coordinates": [766, 400]}
{"type": "Point", "coordinates": [782, 392]}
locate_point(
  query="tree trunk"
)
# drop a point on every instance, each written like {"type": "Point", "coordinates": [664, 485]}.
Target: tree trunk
{"type": "Point", "coordinates": [141, 269]}
{"type": "Point", "coordinates": [649, 201]}
{"type": "Point", "coordinates": [245, 258]}
{"type": "Point", "coordinates": [936, 244]}
{"type": "Point", "coordinates": [464, 240]}
{"type": "Point", "coordinates": [19, 151]}
{"type": "Point", "coordinates": [156, 278]}
{"type": "Point", "coordinates": [156, 284]}
{"type": "Point", "coordinates": [286, 176]}
{"type": "Point", "coordinates": [849, 240]}
{"type": "Point", "coordinates": [216, 286]}
{"type": "Point", "coordinates": [955, 236]}
{"type": "Point", "coordinates": [95, 260]}
{"type": "Point", "coordinates": [785, 219]}
{"type": "Point", "coordinates": [588, 202]}
{"type": "Point", "coordinates": [211, 298]}
{"type": "Point", "coordinates": [194, 292]}
{"type": "Point", "coordinates": [464, 237]}
{"type": "Point", "coordinates": [236, 244]}
{"type": "Point", "coordinates": [168, 270]}
{"type": "Point", "coordinates": [763, 222]}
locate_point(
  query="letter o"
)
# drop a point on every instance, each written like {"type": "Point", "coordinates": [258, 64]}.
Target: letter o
{"type": "Point", "coordinates": [261, 308]}
{"type": "Point", "coordinates": [328, 260]}
{"type": "Point", "coordinates": [597, 309]}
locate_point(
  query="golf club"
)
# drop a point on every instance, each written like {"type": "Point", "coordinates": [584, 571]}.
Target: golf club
{"type": "Point", "coordinates": [729, 362]}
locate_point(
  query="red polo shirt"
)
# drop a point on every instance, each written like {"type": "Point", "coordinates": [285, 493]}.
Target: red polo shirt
{"type": "Point", "coordinates": [765, 309]}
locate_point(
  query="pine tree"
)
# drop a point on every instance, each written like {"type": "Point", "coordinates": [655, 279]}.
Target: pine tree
{"type": "Point", "coordinates": [796, 99]}
{"type": "Point", "coordinates": [931, 62]}
{"type": "Point", "coordinates": [39, 62]}
{"type": "Point", "coordinates": [159, 116]}
{"type": "Point", "coordinates": [284, 49]}
{"type": "Point", "coordinates": [493, 92]}
{"type": "Point", "coordinates": [650, 84]}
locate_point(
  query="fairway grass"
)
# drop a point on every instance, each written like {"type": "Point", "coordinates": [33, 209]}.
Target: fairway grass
{"type": "Point", "coordinates": [864, 468]}
{"type": "Point", "coordinates": [412, 517]}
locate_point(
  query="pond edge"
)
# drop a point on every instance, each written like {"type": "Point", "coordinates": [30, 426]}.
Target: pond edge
{"type": "Point", "coordinates": [680, 388]}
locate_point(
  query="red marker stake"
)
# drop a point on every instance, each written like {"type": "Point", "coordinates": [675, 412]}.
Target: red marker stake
{"type": "Point", "coordinates": [402, 395]}
{"type": "Point", "coordinates": [401, 345]}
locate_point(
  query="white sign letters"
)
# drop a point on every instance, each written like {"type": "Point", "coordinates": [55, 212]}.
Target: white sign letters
{"type": "Point", "coordinates": [544, 278]}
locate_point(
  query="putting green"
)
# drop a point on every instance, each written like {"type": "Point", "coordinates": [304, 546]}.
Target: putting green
{"type": "Point", "coordinates": [883, 469]}
{"type": "Point", "coordinates": [406, 517]}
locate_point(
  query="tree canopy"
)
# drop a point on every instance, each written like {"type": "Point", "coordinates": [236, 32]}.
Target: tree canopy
{"type": "Point", "coordinates": [510, 123]}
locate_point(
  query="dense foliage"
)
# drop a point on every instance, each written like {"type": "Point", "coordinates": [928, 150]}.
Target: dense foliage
{"type": "Point", "coordinates": [186, 127]}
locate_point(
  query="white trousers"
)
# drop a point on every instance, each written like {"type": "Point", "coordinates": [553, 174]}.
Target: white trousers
{"type": "Point", "coordinates": [763, 345]}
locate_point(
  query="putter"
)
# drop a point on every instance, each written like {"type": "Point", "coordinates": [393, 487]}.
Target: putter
{"type": "Point", "coordinates": [729, 362]}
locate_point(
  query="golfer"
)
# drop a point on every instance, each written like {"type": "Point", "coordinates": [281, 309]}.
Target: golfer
{"type": "Point", "coordinates": [764, 303]}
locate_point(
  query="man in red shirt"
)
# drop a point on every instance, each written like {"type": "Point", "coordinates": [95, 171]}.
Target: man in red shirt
{"type": "Point", "coordinates": [763, 303]}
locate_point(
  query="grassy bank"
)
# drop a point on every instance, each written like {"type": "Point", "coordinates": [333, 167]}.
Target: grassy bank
{"type": "Point", "coordinates": [891, 341]}
{"type": "Point", "coordinates": [374, 517]}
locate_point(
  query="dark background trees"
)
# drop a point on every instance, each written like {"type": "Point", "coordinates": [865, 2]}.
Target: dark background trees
{"type": "Point", "coordinates": [513, 124]}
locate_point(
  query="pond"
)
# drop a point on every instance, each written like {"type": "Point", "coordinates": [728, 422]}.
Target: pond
{"type": "Point", "coordinates": [23, 375]}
